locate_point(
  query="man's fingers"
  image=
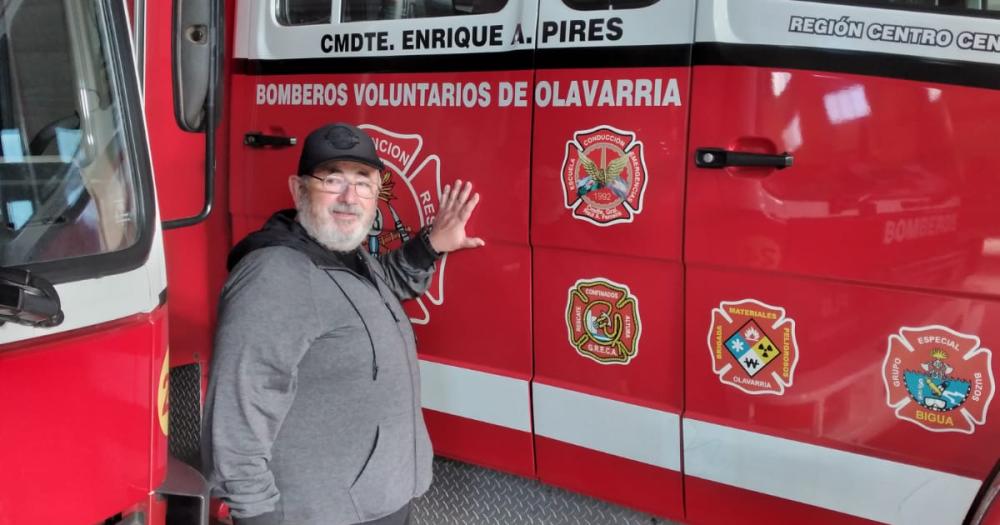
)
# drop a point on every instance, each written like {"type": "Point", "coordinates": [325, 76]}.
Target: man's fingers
{"type": "Point", "coordinates": [456, 193]}
{"type": "Point", "coordinates": [455, 208]}
{"type": "Point", "coordinates": [466, 211]}
{"type": "Point", "coordinates": [456, 202]}
{"type": "Point", "coordinates": [445, 196]}
{"type": "Point", "coordinates": [466, 191]}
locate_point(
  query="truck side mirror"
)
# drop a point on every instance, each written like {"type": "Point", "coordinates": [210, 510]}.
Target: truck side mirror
{"type": "Point", "coordinates": [193, 46]}
{"type": "Point", "coordinates": [198, 45]}
{"type": "Point", "coordinates": [29, 299]}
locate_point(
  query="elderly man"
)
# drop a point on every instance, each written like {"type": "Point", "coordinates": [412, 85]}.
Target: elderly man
{"type": "Point", "coordinates": [313, 409]}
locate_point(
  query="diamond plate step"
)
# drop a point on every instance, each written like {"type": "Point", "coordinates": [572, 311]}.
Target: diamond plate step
{"type": "Point", "coordinates": [464, 494]}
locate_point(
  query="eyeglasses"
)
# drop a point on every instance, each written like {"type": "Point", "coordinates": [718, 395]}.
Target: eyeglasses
{"type": "Point", "coordinates": [336, 184]}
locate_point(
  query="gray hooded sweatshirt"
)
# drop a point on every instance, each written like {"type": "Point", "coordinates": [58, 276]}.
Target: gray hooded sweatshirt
{"type": "Point", "coordinates": [312, 415]}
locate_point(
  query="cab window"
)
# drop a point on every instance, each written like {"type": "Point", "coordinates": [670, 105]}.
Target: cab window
{"type": "Point", "coordinates": [603, 5]}
{"type": "Point", "coordinates": [924, 5]}
{"type": "Point", "coordinates": [362, 10]}
{"type": "Point", "coordinates": [991, 5]}
{"type": "Point", "coordinates": [303, 12]}
{"type": "Point", "coordinates": [68, 188]}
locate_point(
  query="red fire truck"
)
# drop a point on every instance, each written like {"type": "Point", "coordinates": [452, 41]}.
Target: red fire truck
{"type": "Point", "coordinates": [743, 257]}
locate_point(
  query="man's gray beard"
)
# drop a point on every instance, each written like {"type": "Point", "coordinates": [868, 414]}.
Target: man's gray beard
{"type": "Point", "coordinates": [327, 233]}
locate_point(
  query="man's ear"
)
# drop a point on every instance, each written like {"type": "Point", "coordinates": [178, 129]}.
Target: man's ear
{"type": "Point", "coordinates": [293, 187]}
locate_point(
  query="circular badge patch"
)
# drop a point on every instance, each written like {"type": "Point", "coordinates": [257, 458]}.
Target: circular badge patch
{"type": "Point", "coordinates": [602, 317]}
{"type": "Point", "coordinates": [938, 378]}
{"type": "Point", "coordinates": [753, 346]}
{"type": "Point", "coordinates": [604, 176]}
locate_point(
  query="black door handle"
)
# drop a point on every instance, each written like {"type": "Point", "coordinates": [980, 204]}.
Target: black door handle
{"type": "Point", "coordinates": [718, 158]}
{"type": "Point", "coordinates": [256, 139]}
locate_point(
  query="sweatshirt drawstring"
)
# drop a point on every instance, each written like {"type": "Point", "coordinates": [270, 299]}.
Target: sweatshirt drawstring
{"type": "Point", "coordinates": [371, 342]}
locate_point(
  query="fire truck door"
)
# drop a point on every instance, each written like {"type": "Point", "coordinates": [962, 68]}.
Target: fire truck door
{"type": "Point", "coordinates": [444, 89]}
{"type": "Point", "coordinates": [611, 105]}
{"type": "Point", "coordinates": [175, 41]}
{"type": "Point", "coordinates": [841, 262]}
{"type": "Point", "coordinates": [79, 236]}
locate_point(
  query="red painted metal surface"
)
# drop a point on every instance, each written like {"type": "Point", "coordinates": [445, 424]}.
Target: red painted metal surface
{"type": "Point", "coordinates": [711, 503]}
{"type": "Point", "coordinates": [883, 222]}
{"type": "Point", "coordinates": [879, 192]}
{"type": "Point", "coordinates": [159, 405]}
{"type": "Point", "coordinates": [488, 146]}
{"type": "Point", "coordinates": [992, 516]}
{"type": "Point", "coordinates": [659, 346]}
{"type": "Point", "coordinates": [195, 254]}
{"type": "Point", "coordinates": [838, 399]}
{"type": "Point", "coordinates": [655, 232]}
{"type": "Point", "coordinates": [157, 510]}
{"type": "Point", "coordinates": [78, 407]}
{"type": "Point", "coordinates": [631, 483]}
{"type": "Point", "coordinates": [644, 255]}
{"type": "Point", "coordinates": [465, 440]}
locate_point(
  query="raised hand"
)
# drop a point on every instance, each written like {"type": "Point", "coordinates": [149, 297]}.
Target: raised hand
{"type": "Point", "coordinates": [457, 205]}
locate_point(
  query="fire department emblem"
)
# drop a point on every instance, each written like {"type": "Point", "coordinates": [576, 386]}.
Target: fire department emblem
{"type": "Point", "coordinates": [409, 199]}
{"type": "Point", "coordinates": [753, 346]}
{"type": "Point", "coordinates": [604, 176]}
{"type": "Point", "coordinates": [163, 396]}
{"type": "Point", "coordinates": [938, 378]}
{"type": "Point", "coordinates": [603, 321]}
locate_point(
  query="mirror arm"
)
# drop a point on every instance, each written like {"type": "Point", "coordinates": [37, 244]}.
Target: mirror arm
{"type": "Point", "coordinates": [28, 299]}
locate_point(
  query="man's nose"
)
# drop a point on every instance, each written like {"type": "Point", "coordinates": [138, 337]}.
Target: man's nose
{"type": "Point", "coordinates": [349, 195]}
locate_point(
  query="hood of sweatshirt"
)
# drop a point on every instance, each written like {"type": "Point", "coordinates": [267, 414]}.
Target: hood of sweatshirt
{"type": "Point", "coordinates": [283, 230]}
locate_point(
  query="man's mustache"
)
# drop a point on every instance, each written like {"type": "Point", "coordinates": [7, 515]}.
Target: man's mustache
{"type": "Point", "coordinates": [353, 209]}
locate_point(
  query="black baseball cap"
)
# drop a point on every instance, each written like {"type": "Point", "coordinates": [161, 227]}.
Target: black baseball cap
{"type": "Point", "coordinates": [338, 141]}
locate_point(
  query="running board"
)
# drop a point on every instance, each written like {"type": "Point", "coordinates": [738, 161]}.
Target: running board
{"type": "Point", "coordinates": [186, 493]}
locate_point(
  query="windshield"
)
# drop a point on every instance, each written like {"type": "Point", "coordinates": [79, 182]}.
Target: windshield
{"type": "Point", "coordinates": [67, 187]}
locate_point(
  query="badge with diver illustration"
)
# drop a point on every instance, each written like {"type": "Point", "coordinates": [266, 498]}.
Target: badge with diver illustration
{"type": "Point", "coordinates": [604, 176]}
{"type": "Point", "coordinates": [753, 346]}
{"type": "Point", "coordinates": [602, 317]}
{"type": "Point", "coordinates": [408, 201]}
{"type": "Point", "coordinates": [938, 378]}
